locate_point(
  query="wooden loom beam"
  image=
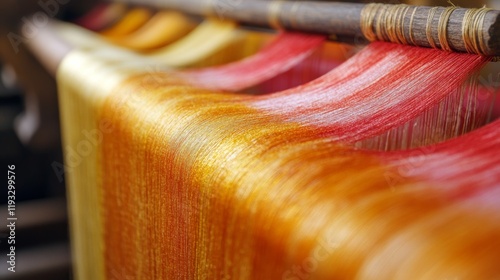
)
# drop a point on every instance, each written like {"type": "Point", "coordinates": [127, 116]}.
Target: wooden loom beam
{"type": "Point", "coordinates": [342, 20]}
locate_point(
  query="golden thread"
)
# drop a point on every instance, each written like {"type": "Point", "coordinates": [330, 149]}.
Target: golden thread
{"type": "Point", "coordinates": [382, 22]}
{"type": "Point", "coordinates": [401, 30]}
{"type": "Point", "coordinates": [397, 23]}
{"type": "Point", "coordinates": [274, 14]}
{"type": "Point", "coordinates": [410, 31]}
{"type": "Point", "coordinates": [367, 18]}
{"type": "Point", "coordinates": [385, 22]}
{"type": "Point", "coordinates": [389, 18]}
{"type": "Point", "coordinates": [472, 30]}
{"type": "Point", "coordinates": [379, 27]}
{"type": "Point", "coordinates": [428, 27]}
{"type": "Point", "coordinates": [443, 28]}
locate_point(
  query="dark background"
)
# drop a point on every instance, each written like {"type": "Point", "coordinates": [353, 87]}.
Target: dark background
{"type": "Point", "coordinates": [30, 140]}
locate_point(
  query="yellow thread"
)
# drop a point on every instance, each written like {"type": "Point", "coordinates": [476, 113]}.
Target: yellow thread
{"type": "Point", "coordinates": [381, 22]}
{"type": "Point", "coordinates": [412, 17]}
{"type": "Point", "coordinates": [386, 23]}
{"type": "Point", "coordinates": [130, 22]}
{"type": "Point", "coordinates": [401, 30]}
{"type": "Point", "coordinates": [472, 30]}
{"type": "Point", "coordinates": [274, 14]}
{"type": "Point", "coordinates": [390, 18]}
{"type": "Point", "coordinates": [428, 27]}
{"type": "Point", "coordinates": [443, 28]}
{"type": "Point", "coordinates": [395, 23]}
{"type": "Point", "coordinates": [379, 27]}
{"type": "Point", "coordinates": [367, 18]}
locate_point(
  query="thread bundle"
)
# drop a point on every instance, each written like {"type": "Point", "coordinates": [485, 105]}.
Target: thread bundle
{"type": "Point", "coordinates": [186, 181]}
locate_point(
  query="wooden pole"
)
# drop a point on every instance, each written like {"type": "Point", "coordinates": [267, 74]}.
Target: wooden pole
{"type": "Point", "coordinates": [342, 20]}
{"type": "Point", "coordinates": [49, 48]}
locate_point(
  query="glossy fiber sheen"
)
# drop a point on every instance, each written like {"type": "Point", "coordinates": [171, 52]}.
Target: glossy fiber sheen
{"type": "Point", "coordinates": [212, 42]}
{"type": "Point", "coordinates": [129, 23]}
{"type": "Point", "coordinates": [247, 196]}
{"type": "Point", "coordinates": [81, 161]}
{"type": "Point", "coordinates": [182, 182]}
{"type": "Point", "coordinates": [154, 33]}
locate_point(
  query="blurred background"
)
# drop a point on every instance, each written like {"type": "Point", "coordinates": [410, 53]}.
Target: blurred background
{"type": "Point", "coordinates": [30, 140]}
